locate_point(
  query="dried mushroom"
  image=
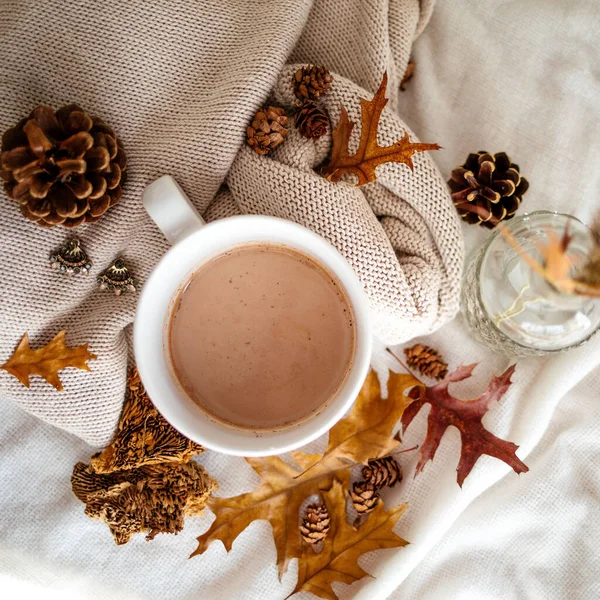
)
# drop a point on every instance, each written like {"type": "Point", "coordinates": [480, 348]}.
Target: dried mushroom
{"type": "Point", "coordinates": [143, 435]}
{"type": "Point", "coordinates": [152, 499]}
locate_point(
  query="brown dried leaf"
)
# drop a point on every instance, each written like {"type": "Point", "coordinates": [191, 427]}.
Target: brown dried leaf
{"type": "Point", "coordinates": [47, 361]}
{"type": "Point", "coordinates": [153, 499]}
{"type": "Point", "coordinates": [465, 415]}
{"type": "Point", "coordinates": [365, 433]}
{"type": "Point", "coordinates": [369, 153]}
{"type": "Point", "coordinates": [338, 560]}
{"type": "Point", "coordinates": [144, 437]}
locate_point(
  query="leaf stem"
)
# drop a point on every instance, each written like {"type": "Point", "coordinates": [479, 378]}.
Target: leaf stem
{"type": "Point", "coordinates": [353, 464]}
{"type": "Point", "coordinates": [398, 359]}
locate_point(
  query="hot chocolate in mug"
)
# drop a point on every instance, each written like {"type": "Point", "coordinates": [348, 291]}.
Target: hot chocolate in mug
{"type": "Point", "coordinates": [196, 246]}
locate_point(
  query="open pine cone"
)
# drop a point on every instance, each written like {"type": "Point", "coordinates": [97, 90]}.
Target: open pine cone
{"type": "Point", "coordinates": [63, 167]}
{"type": "Point", "coordinates": [267, 130]}
{"type": "Point", "coordinates": [310, 120]}
{"type": "Point", "coordinates": [311, 82]}
{"type": "Point", "coordinates": [487, 189]}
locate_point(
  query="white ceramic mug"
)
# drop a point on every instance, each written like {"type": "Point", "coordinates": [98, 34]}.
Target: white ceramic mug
{"type": "Point", "coordinates": [195, 243]}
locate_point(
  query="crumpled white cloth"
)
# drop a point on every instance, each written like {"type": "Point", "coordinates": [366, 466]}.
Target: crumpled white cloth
{"type": "Point", "coordinates": [517, 77]}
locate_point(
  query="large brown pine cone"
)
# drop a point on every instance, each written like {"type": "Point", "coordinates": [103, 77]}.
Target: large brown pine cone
{"type": "Point", "coordinates": [310, 120]}
{"type": "Point", "coordinates": [267, 130]}
{"type": "Point", "coordinates": [316, 524]}
{"type": "Point", "coordinates": [63, 167]}
{"type": "Point", "coordinates": [364, 497]}
{"type": "Point", "coordinates": [311, 82]}
{"type": "Point", "coordinates": [382, 472]}
{"type": "Point", "coordinates": [487, 189]}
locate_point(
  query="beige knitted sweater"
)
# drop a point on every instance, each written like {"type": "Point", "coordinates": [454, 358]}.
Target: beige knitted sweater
{"type": "Point", "coordinates": [179, 81]}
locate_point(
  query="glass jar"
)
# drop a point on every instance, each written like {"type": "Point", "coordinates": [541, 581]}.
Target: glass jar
{"type": "Point", "coordinates": [515, 310]}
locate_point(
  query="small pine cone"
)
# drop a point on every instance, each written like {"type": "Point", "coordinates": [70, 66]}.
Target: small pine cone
{"type": "Point", "coordinates": [364, 497]}
{"type": "Point", "coordinates": [487, 189]}
{"type": "Point", "coordinates": [310, 120]}
{"type": "Point", "coordinates": [63, 168]}
{"type": "Point", "coordinates": [383, 472]}
{"type": "Point", "coordinates": [311, 82]}
{"type": "Point", "coordinates": [315, 525]}
{"type": "Point", "coordinates": [267, 130]}
{"type": "Point", "coordinates": [426, 360]}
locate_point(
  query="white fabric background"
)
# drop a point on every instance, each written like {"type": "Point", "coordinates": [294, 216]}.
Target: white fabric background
{"type": "Point", "coordinates": [515, 76]}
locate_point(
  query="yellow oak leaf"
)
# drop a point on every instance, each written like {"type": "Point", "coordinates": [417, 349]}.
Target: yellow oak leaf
{"type": "Point", "coordinates": [344, 545]}
{"type": "Point", "coordinates": [366, 432]}
{"type": "Point", "coordinates": [369, 153]}
{"type": "Point", "coordinates": [46, 361]}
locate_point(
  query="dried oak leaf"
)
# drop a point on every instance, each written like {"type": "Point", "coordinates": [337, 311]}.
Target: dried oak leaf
{"type": "Point", "coordinates": [144, 437]}
{"type": "Point", "coordinates": [369, 153]}
{"type": "Point", "coordinates": [153, 499]}
{"type": "Point", "coordinates": [47, 361]}
{"type": "Point", "coordinates": [466, 416]}
{"type": "Point", "coordinates": [363, 434]}
{"type": "Point", "coordinates": [338, 560]}
{"type": "Point", "coordinates": [556, 265]}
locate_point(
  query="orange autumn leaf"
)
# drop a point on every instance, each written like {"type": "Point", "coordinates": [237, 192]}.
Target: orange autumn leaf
{"type": "Point", "coordinates": [338, 560]}
{"type": "Point", "coordinates": [46, 361]}
{"type": "Point", "coordinates": [556, 266]}
{"type": "Point", "coordinates": [369, 153]}
{"type": "Point", "coordinates": [365, 433]}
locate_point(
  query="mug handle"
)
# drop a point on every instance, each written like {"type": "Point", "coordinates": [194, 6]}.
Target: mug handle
{"type": "Point", "coordinates": [171, 209]}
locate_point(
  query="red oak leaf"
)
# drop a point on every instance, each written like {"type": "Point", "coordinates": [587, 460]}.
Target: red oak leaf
{"type": "Point", "coordinates": [466, 416]}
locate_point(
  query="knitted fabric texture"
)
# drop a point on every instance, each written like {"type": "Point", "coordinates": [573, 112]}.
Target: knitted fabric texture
{"type": "Point", "coordinates": [179, 82]}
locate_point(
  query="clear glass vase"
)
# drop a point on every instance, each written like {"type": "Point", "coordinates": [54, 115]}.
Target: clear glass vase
{"type": "Point", "coordinates": [513, 309]}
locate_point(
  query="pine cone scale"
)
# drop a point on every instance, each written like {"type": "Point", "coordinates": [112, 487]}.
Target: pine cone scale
{"type": "Point", "coordinates": [45, 118]}
{"type": "Point", "coordinates": [38, 187]}
{"type": "Point", "coordinates": [40, 208]}
{"type": "Point", "coordinates": [80, 187]}
{"type": "Point", "coordinates": [78, 144]}
{"type": "Point", "coordinates": [37, 140]}
{"type": "Point", "coordinates": [100, 206]}
{"type": "Point", "coordinates": [78, 121]}
{"type": "Point", "coordinates": [17, 158]}
{"type": "Point", "coordinates": [113, 177]}
{"type": "Point", "coordinates": [99, 186]}
{"type": "Point", "coordinates": [97, 159]}
{"type": "Point", "coordinates": [489, 194]}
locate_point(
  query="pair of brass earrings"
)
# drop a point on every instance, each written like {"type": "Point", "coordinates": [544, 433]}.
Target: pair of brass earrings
{"type": "Point", "coordinates": [73, 260]}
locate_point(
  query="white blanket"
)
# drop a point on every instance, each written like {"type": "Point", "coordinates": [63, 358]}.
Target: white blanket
{"type": "Point", "coordinates": [500, 76]}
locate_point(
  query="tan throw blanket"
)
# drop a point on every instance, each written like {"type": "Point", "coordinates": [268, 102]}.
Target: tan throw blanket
{"type": "Point", "coordinates": [179, 81]}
